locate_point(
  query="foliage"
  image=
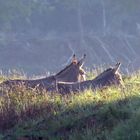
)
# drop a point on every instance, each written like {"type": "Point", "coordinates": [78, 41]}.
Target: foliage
{"type": "Point", "coordinates": [18, 14]}
{"type": "Point", "coordinates": [109, 114]}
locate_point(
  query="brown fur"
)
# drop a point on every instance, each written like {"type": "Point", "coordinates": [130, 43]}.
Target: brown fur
{"type": "Point", "coordinates": [69, 74]}
{"type": "Point", "coordinates": [107, 78]}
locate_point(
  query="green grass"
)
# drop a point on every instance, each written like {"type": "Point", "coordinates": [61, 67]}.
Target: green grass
{"type": "Point", "coordinates": [109, 114]}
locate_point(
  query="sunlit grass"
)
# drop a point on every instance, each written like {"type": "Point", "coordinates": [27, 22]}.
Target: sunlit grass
{"type": "Point", "coordinates": [88, 115]}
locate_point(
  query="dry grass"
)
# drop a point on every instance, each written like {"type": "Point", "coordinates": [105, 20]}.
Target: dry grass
{"type": "Point", "coordinates": [88, 115]}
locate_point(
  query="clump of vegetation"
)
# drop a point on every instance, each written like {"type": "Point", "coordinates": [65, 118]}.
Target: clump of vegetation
{"type": "Point", "coordinates": [109, 114]}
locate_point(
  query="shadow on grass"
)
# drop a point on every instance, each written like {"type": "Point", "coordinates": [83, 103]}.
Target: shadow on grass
{"type": "Point", "coordinates": [62, 118]}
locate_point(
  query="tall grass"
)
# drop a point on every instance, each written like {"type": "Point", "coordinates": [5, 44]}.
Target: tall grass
{"type": "Point", "coordinates": [109, 114]}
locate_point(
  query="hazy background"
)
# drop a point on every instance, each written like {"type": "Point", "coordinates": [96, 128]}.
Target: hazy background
{"type": "Point", "coordinates": [37, 36]}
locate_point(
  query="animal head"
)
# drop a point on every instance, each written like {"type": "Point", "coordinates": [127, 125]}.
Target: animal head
{"type": "Point", "coordinates": [110, 76]}
{"type": "Point", "coordinates": [73, 72]}
{"type": "Point", "coordinates": [117, 76]}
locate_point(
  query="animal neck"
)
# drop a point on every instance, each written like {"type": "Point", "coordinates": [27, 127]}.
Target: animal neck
{"type": "Point", "coordinates": [69, 74]}
{"type": "Point", "coordinates": [67, 77]}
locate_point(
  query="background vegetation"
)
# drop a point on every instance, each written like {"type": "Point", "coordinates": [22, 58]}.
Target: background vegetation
{"type": "Point", "coordinates": [35, 34]}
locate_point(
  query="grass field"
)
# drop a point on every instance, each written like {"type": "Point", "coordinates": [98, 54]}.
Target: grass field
{"type": "Point", "coordinates": [109, 114]}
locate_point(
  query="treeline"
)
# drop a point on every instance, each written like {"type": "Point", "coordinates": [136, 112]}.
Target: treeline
{"type": "Point", "coordinates": [62, 15]}
{"type": "Point", "coordinates": [34, 34]}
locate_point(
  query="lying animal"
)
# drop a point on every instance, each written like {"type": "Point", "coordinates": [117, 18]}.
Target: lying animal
{"type": "Point", "coordinates": [72, 73]}
{"type": "Point", "coordinates": [109, 77]}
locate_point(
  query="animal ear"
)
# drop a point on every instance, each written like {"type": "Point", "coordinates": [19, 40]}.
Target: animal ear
{"type": "Point", "coordinates": [117, 66]}
{"type": "Point", "coordinates": [82, 60]}
{"type": "Point", "coordinates": [74, 59]}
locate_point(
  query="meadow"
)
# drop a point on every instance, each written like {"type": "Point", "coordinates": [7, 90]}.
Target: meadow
{"type": "Point", "coordinates": [109, 114]}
